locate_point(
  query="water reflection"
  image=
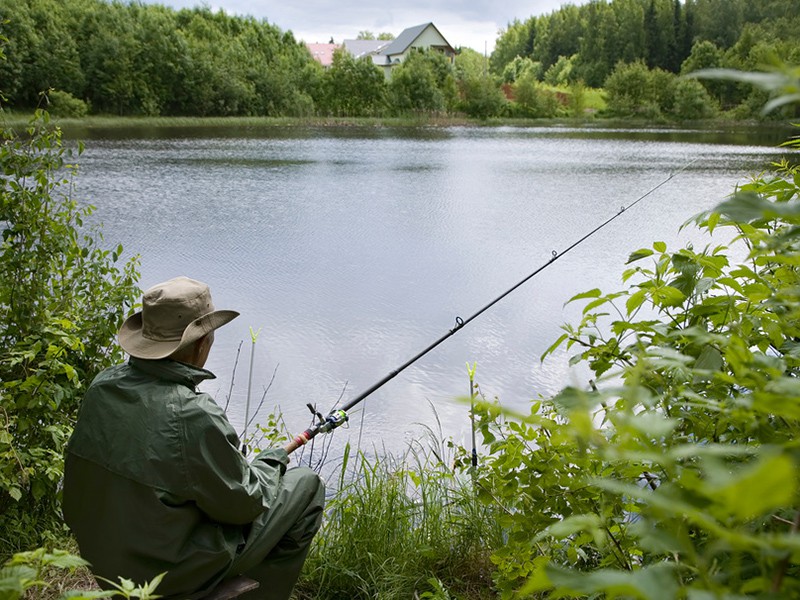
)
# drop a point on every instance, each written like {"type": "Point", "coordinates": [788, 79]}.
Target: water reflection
{"type": "Point", "coordinates": [354, 248]}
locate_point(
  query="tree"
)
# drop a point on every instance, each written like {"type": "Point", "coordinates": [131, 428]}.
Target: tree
{"type": "Point", "coordinates": [654, 43]}
{"type": "Point", "coordinates": [707, 55]}
{"type": "Point", "coordinates": [719, 21]}
{"type": "Point", "coordinates": [470, 63]}
{"type": "Point", "coordinates": [41, 52]}
{"type": "Point", "coordinates": [353, 87]}
{"type": "Point", "coordinates": [692, 101]}
{"type": "Point", "coordinates": [519, 66]}
{"type": "Point", "coordinates": [135, 58]}
{"type": "Point", "coordinates": [424, 82]}
{"type": "Point", "coordinates": [561, 72]}
{"type": "Point", "coordinates": [597, 55]}
{"type": "Point", "coordinates": [532, 99]}
{"type": "Point", "coordinates": [511, 43]}
{"type": "Point", "coordinates": [108, 46]}
{"type": "Point", "coordinates": [629, 90]}
{"type": "Point", "coordinates": [481, 97]}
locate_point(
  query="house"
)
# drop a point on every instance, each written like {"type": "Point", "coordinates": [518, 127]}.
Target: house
{"type": "Point", "coordinates": [387, 54]}
{"type": "Point", "coordinates": [322, 53]}
{"type": "Point", "coordinates": [421, 37]}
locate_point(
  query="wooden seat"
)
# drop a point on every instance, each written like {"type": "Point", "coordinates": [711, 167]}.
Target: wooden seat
{"type": "Point", "coordinates": [232, 588]}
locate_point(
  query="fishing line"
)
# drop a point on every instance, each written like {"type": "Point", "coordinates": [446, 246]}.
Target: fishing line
{"type": "Point", "coordinates": [338, 416]}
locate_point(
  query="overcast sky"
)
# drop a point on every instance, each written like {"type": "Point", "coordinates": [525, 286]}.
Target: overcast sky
{"type": "Point", "coordinates": [470, 23]}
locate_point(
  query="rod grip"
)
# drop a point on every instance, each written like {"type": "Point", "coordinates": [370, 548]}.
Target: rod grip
{"type": "Point", "coordinates": [299, 440]}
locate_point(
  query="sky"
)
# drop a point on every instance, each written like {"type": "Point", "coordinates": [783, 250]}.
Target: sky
{"type": "Point", "coordinates": [468, 23]}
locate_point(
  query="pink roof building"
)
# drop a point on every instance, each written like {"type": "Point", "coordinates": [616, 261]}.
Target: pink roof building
{"type": "Point", "coordinates": [322, 53]}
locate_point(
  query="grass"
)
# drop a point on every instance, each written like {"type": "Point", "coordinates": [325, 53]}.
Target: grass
{"type": "Point", "coordinates": [401, 528]}
{"type": "Point", "coordinates": [20, 119]}
{"type": "Point", "coordinates": [594, 99]}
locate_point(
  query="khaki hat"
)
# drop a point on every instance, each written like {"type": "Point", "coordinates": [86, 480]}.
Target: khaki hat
{"type": "Point", "coordinates": [174, 314]}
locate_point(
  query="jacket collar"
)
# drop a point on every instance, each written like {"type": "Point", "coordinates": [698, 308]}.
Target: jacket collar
{"type": "Point", "coordinates": [171, 370]}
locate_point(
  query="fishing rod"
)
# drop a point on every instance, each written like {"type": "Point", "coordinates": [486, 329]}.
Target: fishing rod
{"type": "Point", "coordinates": [338, 415]}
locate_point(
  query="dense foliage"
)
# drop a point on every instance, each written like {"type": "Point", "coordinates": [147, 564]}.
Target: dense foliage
{"type": "Point", "coordinates": [95, 56]}
{"type": "Point", "coordinates": [150, 60]}
{"type": "Point", "coordinates": [63, 295]}
{"type": "Point", "coordinates": [590, 43]}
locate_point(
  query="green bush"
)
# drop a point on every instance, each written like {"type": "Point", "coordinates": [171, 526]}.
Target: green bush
{"type": "Point", "coordinates": [423, 82]}
{"type": "Point", "coordinates": [692, 101]}
{"type": "Point", "coordinates": [628, 88]}
{"type": "Point", "coordinates": [353, 87]}
{"type": "Point", "coordinates": [481, 97]}
{"type": "Point", "coordinates": [62, 298]}
{"type": "Point", "coordinates": [64, 104]}
{"type": "Point", "coordinates": [635, 90]}
{"type": "Point", "coordinates": [534, 100]}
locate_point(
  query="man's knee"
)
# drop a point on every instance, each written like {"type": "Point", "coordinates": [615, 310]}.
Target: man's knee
{"type": "Point", "coordinates": [306, 488]}
{"type": "Point", "coordinates": [307, 483]}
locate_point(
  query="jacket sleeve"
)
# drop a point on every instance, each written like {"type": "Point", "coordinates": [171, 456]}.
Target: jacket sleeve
{"type": "Point", "coordinates": [221, 481]}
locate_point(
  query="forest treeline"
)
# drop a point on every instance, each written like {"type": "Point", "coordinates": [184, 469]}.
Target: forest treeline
{"type": "Point", "coordinates": [129, 58]}
{"type": "Point", "coordinates": [638, 44]}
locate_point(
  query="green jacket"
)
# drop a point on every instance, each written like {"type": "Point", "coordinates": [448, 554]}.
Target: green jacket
{"type": "Point", "coordinates": [154, 480]}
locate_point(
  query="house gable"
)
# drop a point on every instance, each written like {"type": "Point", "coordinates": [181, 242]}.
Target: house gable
{"type": "Point", "coordinates": [421, 37]}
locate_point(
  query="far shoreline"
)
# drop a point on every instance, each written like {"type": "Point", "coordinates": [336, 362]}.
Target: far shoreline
{"type": "Point", "coordinates": [98, 126]}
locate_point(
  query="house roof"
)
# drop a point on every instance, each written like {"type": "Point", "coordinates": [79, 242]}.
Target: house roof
{"type": "Point", "coordinates": [407, 37]}
{"type": "Point", "coordinates": [322, 53]}
{"type": "Point", "coordinates": [359, 48]}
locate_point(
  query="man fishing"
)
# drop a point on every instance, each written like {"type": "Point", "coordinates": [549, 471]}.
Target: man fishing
{"type": "Point", "coordinates": [154, 480]}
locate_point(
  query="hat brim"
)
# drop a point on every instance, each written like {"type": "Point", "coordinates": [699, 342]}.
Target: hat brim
{"type": "Point", "coordinates": [135, 344]}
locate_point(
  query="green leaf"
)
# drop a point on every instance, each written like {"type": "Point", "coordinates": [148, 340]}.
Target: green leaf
{"type": "Point", "coordinates": [553, 346]}
{"type": "Point", "coordinates": [566, 527]}
{"type": "Point", "coordinates": [153, 584]}
{"type": "Point", "coordinates": [65, 560]}
{"type": "Point", "coordinates": [710, 359]}
{"type": "Point", "coordinates": [757, 292]}
{"type": "Point", "coordinates": [639, 254]}
{"type": "Point", "coordinates": [750, 206]}
{"type": "Point", "coordinates": [660, 247]}
{"type": "Point", "coordinates": [755, 490]}
{"type": "Point", "coordinates": [668, 295]}
{"type": "Point", "coordinates": [595, 303]}
{"type": "Point", "coordinates": [657, 582]}
{"type": "Point", "coordinates": [89, 594]}
{"type": "Point", "coordinates": [713, 221]}
{"type": "Point", "coordinates": [635, 301]}
{"type": "Point", "coordinates": [652, 424]}
{"type": "Point", "coordinates": [595, 293]}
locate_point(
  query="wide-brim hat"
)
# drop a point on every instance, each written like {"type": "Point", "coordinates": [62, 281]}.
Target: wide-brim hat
{"type": "Point", "coordinates": [174, 315]}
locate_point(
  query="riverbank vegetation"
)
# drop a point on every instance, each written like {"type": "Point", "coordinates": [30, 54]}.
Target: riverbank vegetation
{"type": "Point", "coordinates": [80, 57]}
{"type": "Point", "coordinates": [672, 473]}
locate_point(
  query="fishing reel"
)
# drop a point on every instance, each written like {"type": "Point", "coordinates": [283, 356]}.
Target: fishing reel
{"type": "Point", "coordinates": [336, 418]}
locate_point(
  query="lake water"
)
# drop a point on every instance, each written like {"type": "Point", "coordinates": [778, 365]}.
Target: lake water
{"type": "Point", "coordinates": [352, 249]}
